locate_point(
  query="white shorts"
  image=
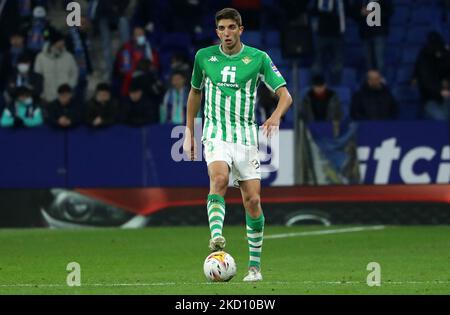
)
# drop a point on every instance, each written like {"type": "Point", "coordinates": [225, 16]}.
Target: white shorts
{"type": "Point", "coordinates": [242, 160]}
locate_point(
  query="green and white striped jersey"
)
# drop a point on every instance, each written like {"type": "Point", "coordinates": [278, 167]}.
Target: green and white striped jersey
{"type": "Point", "coordinates": [230, 83]}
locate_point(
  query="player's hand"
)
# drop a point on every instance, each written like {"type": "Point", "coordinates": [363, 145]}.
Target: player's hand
{"type": "Point", "coordinates": [271, 126]}
{"type": "Point", "coordinates": [190, 145]}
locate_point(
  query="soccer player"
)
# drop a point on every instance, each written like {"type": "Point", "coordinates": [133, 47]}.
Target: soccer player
{"type": "Point", "coordinates": [229, 74]}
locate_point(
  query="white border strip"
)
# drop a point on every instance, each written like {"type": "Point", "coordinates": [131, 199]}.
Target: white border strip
{"type": "Point", "coordinates": [324, 232]}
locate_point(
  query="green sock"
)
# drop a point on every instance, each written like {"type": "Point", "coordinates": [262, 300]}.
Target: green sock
{"type": "Point", "coordinates": [255, 231]}
{"type": "Point", "coordinates": [216, 214]}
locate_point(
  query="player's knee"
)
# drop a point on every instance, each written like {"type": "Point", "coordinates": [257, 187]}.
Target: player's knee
{"type": "Point", "coordinates": [253, 204]}
{"type": "Point", "coordinates": [220, 182]}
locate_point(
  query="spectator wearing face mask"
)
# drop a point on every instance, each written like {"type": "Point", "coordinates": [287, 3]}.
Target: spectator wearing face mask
{"type": "Point", "coordinates": [374, 100]}
{"type": "Point", "coordinates": [130, 55]}
{"type": "Point", "coordinates": [24, 76]}
{"type": "Point", "coordinates": [23, 112]}
{"type": "Point", "coordinates": [57, 66]}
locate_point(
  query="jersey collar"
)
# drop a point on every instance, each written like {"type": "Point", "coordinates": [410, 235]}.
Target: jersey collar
{"type": "Point", "coordinates": [232, 56]}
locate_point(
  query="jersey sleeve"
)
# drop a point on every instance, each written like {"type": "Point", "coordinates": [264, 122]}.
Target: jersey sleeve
{"type": "Point", "coordinates": [271, 76]}
{"type": "Point", "coordinates": [198, 75]}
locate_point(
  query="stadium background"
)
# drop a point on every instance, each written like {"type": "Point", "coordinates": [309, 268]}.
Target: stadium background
{"type": "Point", "coordinates": [57, 177]}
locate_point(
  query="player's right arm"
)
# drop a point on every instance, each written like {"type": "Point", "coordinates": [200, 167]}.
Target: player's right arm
{"type": "Point", "coordinates": [193, 106]}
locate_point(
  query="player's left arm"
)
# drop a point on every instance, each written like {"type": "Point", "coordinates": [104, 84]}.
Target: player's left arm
{"type": "Point", "coordinates": [284, 102]}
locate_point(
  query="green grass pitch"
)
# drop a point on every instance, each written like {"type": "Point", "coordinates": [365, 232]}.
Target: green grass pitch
{"type": "Point", "coordinates": [169, 260]}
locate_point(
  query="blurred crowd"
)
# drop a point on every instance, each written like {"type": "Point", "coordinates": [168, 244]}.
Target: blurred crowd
{"type": "Point", "coordinates": [45, 71]}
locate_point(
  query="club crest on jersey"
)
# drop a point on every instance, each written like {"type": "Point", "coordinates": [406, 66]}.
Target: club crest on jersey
{"type": "Point", "coordinates": [246, 60]}
{"type": "Point", "coordinates": [275, 69]}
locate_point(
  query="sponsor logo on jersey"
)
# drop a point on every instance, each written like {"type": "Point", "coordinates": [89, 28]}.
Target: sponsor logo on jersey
{"type": "Point", "coordinates": [231, 85]}
{"type": "Point", "coordinates": [213, 59]}
{"type": "Point", "coordinates": [228, 73]}
{"type": "Point", "coordinates": [275, 69]}
{"type": "Point", "coordinates": [246, 60]}
{"type": "Point", "coordinates": [228, 77]}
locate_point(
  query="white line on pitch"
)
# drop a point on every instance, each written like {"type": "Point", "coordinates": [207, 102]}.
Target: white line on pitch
{"type": "Point", "coordinates": [323, 232]}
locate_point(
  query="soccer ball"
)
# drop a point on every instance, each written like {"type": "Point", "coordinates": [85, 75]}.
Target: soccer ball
{"type": "Point", "coordinates": [219, 267]}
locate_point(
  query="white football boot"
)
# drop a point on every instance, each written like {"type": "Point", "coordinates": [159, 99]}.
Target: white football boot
{"type": "Point", "coordinates": [254, 274]}
{"type": "Point", "coordinates": [217, 243]}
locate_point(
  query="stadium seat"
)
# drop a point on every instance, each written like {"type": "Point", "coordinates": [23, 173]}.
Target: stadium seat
{"type": "Point", "coordinates": [176, 40]}
{"type": "Point", "coordinates": [277, 58]}
{"type": "Point", "coordinates": [408, 111]}
{"type": "Point", "coordinates": [424, 15]}
{"type": "Point", "coordinates": [401, 16]}
{"type": "Point", "coordinates": [344, 93]}
{"type": "Point", "coordinates": [396, 35]}
{"type": "Point", "coordinates": [426, 3]}
{"type": "Point", "coordinates": [304, 77]}
{"type": "Point", "coordinates": [252, 38]}
{"type": "Point", "coordinates": [345, 96]}
{"type": "Point", "coordinates": [409, 101]}
{"type": "Point", "coordinates": [352, 35]}
{"type": "Point", "coordinates": [353, 56]}
{"type": "Point", "coordinates": [393, 54]}
{"type": "Point", "coordinates": [406, 93]}
{"type": "Point", "coordinates": [272, 39]}
{"type": "Point", "coordinates": [390, 74]}
{"type": "Point", "coordinates": [165, 60]}
{"type": "Point", "coordinates": [403, 2]}
{"type": "Point", "coordinates": [409, 54]}
{"type": "Point", "coordinates": [303, 92]}
{"type": "Point", "coordinates": [417, 35]}
{"type": "Point", "coordinates": [349, 78]}
{"type": "Point", "coordinates": [405, 74]}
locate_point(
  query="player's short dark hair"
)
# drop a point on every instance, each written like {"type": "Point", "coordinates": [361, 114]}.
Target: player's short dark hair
{"type": "Point", "coordinates": [318, 80]}
{"type": "Point", "coordinates": [64, 88]}
{"type": "Point", "coordinates": [229, 14]}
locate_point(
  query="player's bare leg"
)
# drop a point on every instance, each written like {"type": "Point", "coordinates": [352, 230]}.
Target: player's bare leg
{"type": "Point", "coordinates": [218, 178]}
{"type": "Point", "coordinates": [250, 191]}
